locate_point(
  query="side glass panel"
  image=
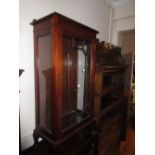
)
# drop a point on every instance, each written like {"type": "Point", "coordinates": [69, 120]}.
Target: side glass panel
{"type": "Point", "coordinates": [45, 85]}
{"type": "Point", "coordinates": [76, 74]}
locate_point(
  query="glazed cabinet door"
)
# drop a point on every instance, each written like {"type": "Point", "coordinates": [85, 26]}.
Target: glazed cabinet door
{"type": "Point", "coordinates": [76, 82]}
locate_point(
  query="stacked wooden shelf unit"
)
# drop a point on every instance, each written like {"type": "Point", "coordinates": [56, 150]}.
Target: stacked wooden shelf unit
{"type": "Point", "coordinates": [110, 104]}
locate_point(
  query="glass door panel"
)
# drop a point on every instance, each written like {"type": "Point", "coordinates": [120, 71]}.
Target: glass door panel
{"type": "Point", "coordinates": [113, 79]}
{"type": "Point", "coordinates": [76, 70]}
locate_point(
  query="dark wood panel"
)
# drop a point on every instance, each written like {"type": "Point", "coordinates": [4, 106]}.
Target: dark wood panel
{"type": "Point", "coordinates": [69, 71]}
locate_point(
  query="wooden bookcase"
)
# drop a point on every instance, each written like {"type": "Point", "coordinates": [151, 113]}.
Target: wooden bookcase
{"type": "Point", "coordinates": [110, 106]}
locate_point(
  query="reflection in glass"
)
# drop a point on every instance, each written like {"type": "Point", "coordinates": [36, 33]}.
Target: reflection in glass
{"type": "Point", "coordinates": [44, 69]}
{"type": "Point", "coordinates": [113, 79]}
{"type": "Point", "coordinates": [76, 63]}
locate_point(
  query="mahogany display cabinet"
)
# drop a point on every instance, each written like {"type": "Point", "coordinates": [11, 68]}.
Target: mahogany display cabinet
{"type": "Point", "coordinates": [64, 54]}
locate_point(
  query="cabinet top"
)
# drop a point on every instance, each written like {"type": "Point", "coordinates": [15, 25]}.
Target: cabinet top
{"type": "Point", "coordinates": [62, 17]}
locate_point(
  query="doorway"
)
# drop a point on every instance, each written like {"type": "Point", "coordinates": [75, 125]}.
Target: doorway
{"type": "Point", "coordinates": [126, 40]}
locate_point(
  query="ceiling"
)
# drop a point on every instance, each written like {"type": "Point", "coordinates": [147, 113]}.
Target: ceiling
{"type": "Point", "coordinates": [119, 3]}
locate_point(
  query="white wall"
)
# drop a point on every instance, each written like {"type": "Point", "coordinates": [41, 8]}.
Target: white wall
{"type": "Point", "coordinates": [123, 18]}
{"type": "Point", "coordinates": [93, 13]}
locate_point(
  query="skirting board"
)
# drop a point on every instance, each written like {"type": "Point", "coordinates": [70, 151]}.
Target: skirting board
{"type": "Point", "coordinates": [26, 142]}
